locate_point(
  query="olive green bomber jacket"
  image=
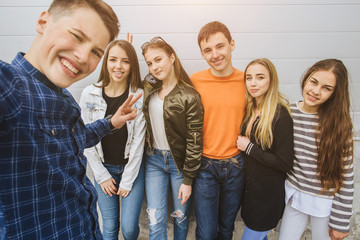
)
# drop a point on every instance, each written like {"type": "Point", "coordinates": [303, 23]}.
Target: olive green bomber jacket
{"type": "Point", "coordinates": [183, 120]}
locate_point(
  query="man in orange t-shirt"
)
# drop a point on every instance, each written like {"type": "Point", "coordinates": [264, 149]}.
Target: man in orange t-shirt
{"type": "Point", "coordinates": [219, 185]}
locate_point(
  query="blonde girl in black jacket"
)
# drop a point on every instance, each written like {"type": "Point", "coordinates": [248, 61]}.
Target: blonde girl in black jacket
{"type": "Point", "coordinates": [267, 146]}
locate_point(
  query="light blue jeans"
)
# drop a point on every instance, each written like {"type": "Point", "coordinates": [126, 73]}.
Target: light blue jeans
{"type": "Point", "coordinates": [160, 174]}
{"type": "Point", "coordinates": [250, 234]}
{"type": "Point", "coordinates": [130, 206]}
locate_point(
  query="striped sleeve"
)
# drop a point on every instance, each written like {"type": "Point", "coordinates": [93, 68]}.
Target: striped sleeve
{"type": "Point", "coordinates": [342, 204]}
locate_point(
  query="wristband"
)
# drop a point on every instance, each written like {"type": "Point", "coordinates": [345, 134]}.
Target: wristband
{"type": "Point", "coordinates": [108, 118]}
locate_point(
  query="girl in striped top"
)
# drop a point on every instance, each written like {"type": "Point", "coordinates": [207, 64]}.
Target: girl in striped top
{"type": "Point", "coordinates": [321, 186]}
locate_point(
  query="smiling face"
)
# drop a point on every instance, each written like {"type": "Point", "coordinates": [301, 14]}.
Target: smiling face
{"type": "Point", "coordinates": [257, 81]}
{"type": "Point", "coordinates": [318, 89]}
{"type": "Point", "coordinates": [118, 64]}
{"type": "Point", "coordinates": [160, 64]}
{"type": "Point", "coordinates": [216, 50]}
{"type": "Point", "coordinates": [70, 47]}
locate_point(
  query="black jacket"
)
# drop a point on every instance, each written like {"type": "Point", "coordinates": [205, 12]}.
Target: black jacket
{"type": "Point", "coordinates": [265, 174]}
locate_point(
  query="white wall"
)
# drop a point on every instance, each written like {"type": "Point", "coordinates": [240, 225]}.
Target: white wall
{"type": "Point", "coordinates": [292, 33]}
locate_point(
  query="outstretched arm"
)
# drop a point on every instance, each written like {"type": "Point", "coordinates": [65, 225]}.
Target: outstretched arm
{"type": "Point", "coordinates": [125, 112]}
{"type": "Point", "coordinates": [97, 130]}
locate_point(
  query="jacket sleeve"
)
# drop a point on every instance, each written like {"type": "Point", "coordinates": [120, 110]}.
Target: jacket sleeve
{"type": "Point", "coordinates": [341, 210]}
{"type": "Point", "coordinates": [101, 174]}
{"type": "Point", "coordinates": [194, 139]}
{"type": "Point", "coordinates": [283, 155]}
{"type": "Point", "coordinates": [137, 143]}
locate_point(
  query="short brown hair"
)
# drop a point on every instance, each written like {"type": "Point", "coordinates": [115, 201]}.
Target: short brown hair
{"type": "Point", "coordinates": [106, 13]}
{"type": "Point", "coordinates": [212, 28]}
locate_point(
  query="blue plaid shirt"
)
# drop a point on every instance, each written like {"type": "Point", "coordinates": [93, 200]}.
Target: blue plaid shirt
{"type": "Point", "coordinates": [44, 191]}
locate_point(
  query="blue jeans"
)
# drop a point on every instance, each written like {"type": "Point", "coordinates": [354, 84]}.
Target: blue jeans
{"type": "Point", "coordinates": [250, 234]}
{"type": "Point", "coordinates": [130, 206]}
{"type": "Point", "coordinates": [160, 174]}
{"type": "Point", "coordinates": [218, 191]}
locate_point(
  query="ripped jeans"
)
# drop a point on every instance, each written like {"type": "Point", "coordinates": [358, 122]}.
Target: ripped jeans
{"type": "Point", "coordinates": [160, 174]}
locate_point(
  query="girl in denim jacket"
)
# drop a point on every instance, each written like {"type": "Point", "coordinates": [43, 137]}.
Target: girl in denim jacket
{"type": "Point", "coordinates": [117, 160]}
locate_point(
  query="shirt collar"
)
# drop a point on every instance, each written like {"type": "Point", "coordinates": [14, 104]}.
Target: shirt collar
{"type": "Point", "coordinates": [20, 61]}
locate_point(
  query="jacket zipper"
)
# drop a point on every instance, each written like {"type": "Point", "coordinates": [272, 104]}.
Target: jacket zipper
{"type": "Point", "coordinates": [148, 132]}
{"type": "Point", "coordinates": [195, 134]}
{"type": "Point", "coordinates": [177, 167]}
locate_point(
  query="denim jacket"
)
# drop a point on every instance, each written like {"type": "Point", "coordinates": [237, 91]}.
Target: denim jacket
{"type": "Point", "coordinates": [183, 120]}
{"type": "Point", "coordinates": [93, 107]}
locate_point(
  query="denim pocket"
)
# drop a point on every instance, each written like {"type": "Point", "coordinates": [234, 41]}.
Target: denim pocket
{"type": "Point", "coordinates": [238, 161]}
{"type": "Point", "coordinates": [205, 163]}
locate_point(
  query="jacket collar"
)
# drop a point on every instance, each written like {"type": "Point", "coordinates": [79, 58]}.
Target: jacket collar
{"type": "Point", "coordinates": [97, 90]}
{"type": "Point", "coordinates": [152, 87]}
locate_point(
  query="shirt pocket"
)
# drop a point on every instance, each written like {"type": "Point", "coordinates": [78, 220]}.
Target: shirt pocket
{"type": "Point", "coordinates": [53, 127]}
{"type": "Point", "coordinates": [57, 142]}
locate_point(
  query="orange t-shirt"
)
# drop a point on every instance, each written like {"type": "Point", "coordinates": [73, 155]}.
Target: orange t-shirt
{"type": "Point", "coordinates": [223, 99]}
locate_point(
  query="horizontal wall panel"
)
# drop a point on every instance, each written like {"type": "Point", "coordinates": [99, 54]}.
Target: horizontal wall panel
{"type": "Point", "coordinates": [355, 97]}
{"type": "Point", "coordinates": [187, 19]}
{"type": "Point", "coordinates": [10, 46]}
{"type": "Point", "coordinates": [190, 2]}
{"type": "Point", "coordinates": [248, 18]}
{"type": "Point", "coordinates": [290, 61]}
{"type": "Point", "coordinates": [248, 46]}
{"type": "Point", "coordinates": [356, 126]}
{"type": "Point", "coordinates": [19, 21]}
{"type": "Point", "coordinates": [271, 45]}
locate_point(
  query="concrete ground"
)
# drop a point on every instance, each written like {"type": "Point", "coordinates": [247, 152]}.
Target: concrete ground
{"type": "Point", "coordinates": [239, 225]}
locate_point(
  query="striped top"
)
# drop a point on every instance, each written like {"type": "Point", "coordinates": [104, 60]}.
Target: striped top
{"type": "Point", "coordinates": [304, 176]}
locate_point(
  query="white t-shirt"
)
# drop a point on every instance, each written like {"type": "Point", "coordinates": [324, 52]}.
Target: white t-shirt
{"type": "Point", "coordinates": [307, 203]}
{"type": "Point", "coordinates": [156, 113]}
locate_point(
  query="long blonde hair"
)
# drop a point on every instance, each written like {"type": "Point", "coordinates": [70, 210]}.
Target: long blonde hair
{"type": "Point", "coordinates": [267, 106]}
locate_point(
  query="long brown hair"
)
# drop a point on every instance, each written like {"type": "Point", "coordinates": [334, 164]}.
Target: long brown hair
{"type": "Point", "coordinates": [268, 105]}
{"type": "Point", "coordinates": [180, 72]}
{"type": "Point", "coordinates": [134, 78]}
{"type": "Point", "coordinates": [334, 131]}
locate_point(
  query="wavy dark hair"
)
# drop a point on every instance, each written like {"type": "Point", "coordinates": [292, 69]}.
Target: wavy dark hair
{"type": "Point", "coordinates": [134, 78]}
{"type": "Point", "coordinates": [335, 129]}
